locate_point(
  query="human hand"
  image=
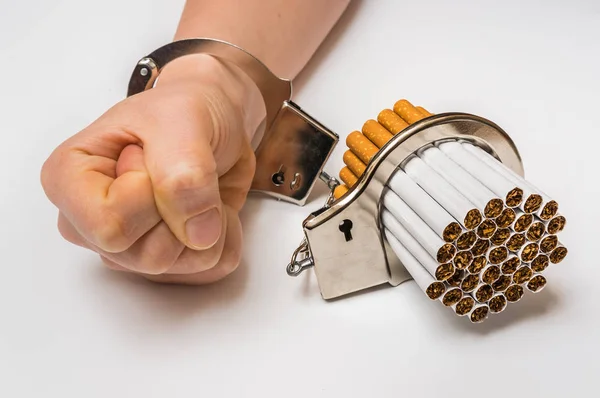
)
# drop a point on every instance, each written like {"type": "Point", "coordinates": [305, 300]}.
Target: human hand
{"type": "Point", "coordinates": [155, 185]}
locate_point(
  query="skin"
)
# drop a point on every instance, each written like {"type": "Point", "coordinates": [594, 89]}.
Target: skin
{"type": "Point", "coordinates": [155, 184]}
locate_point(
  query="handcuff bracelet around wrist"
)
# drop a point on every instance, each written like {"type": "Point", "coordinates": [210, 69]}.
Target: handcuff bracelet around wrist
{"type": "Point", "coordinates": [295, 147]}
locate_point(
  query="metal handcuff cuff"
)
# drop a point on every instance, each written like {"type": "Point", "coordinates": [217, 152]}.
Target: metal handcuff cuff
{"type": "Point", "coordinates": [293, 153]}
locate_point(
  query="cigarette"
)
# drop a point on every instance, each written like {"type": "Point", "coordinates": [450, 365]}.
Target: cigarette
{"type": "Point", "coordinates": [423, 279]}
{"type": "Point", "coordinates": [479, 314]}
{"type": "Point", "coordinates": [497, 303]}
{"type": "Point", "coordinates": [522, 275]}
{"type": "Point", "coordinates": [348, 177]}
{"type": "Point", "coordinates": [464, 182]}
{"type": "Point", "coordinates": [444, 271]}
{"type": "Point", "coordinates": [497, 255]}
{"type": "Point", "coordinates": [536, 231]}
{"type": "Point", "coordinates": [463, 259]}
{"type": "Point", "coordinates": [361, 146]}
{"type": "Point", "coordinates": [523, 222]}
{"type": "Point", "coordinates": [506, 218]}
{"type": "Point", "coordinates": [407, 111]}
{"type": "Point", "coordinates": [466, 240]}
{"type": "Point", "coordinates": [452, 297]}
{"type": "Point", "coordinates": [540, 263]}
{"type": "Point", "coordinates": [533, 203]}
{"type": "Point", "coordinates": [410, 220]}
{"type": "Point", "coordinates": [480, 247]}
{"type": "Point", "coordinates": [558, 254]}
{"type": "Point", "coordinates": [500, 236]}
{"type": "Point", "coordinates": [487, 175]}
{"type": "Point", "coordinates": [556, 225]}
{"type": "Point", "coordinates": [477, 265]}
{"type": "Point", "coordinates": [514, 293]}
{"type": "Point", "coordinates": [546, 209]}
{"type": "Point", "coordinates": [391, 121]}
{"type": "Point", "coordinates": [486, 229]}
{"type": "Point", "coordinates": [355, 165]}
{"type": "Point", "coordinates": [529, 252]}
{"type": "Point", "coordinates": [470, 283]}
{"type": "Point", "coordinates": [491, 274]}
{"type": "Point", "coordinates": [395, 228]}
{"type": "Point", "coordinates": [428, 209]}
{"type": "Point", "coordinates": [464, 306]}
{"type": "Point", "coordinates": [511, 265]}
{"type": "Point", "coordinates": [456, 279]}
{"type": "Point", "coordinates": [340, 191]}
{"type": "Point", "coordinates": [424, 111]}
{"type": "Point", "coordinates": [376, 133]}
{"type": "Point", "coordinates": [483, 293]}
{"type": "Point", "coordinates": [536, 284]}
{"type": "Point", "coordinates": [444, 193]}
{"type": "Point", "coordinates": [502, 283]}
{"type": "Point", "coordinates": [549, 243]}
{"type": "Point", "coordinates": [516, 242]}
{"type": "Point", "coordinates": [446, 253]}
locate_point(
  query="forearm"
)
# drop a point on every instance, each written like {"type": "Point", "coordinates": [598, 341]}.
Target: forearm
{"type": "Point", "coordinates": [284, 34]}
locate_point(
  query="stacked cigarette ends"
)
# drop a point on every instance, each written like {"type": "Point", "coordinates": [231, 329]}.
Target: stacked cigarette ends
{"type": "Point", "coordinates": [473, 234]}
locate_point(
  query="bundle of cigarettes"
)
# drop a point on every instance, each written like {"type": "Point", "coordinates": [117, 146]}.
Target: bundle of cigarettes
{"type": "Point", "coordinates": [473, 234]}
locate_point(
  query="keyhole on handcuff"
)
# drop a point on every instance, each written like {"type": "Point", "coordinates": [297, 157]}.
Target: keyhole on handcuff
{"type": "Point", "coordinates": [346, 227]}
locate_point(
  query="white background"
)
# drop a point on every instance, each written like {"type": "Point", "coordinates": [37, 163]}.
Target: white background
{"type": "Point", "coordinates": [69, 328]}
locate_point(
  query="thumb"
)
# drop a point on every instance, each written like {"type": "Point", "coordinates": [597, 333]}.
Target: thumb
{"type": "Point", "coordinates": [185, 181]}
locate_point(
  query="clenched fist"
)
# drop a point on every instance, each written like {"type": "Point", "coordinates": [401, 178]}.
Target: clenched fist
{"type": "Point", "coordinates": [155, 185]}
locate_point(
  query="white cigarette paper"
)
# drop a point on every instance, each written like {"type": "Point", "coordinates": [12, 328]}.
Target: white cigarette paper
{"type": "Point", "coordinates": [440, 189]}
{"type": "Point", "coordinates": [409, 242]}
{"type": "Point", "coordinates": [413, 223]}
{"type": "Point", "coordinates": [421, 276]}
{"type": "Point", "coordinates": [469, 186]}
{"type": "Point", "coordinates": [527, 187]}
{"type": "Point", "coordinates": [489, 177]}
{"type": "Point", "coordinates": [421, 203]}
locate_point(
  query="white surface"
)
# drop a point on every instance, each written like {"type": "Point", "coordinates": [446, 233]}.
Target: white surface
{"type": "Point", "coordinates": [72, 329]}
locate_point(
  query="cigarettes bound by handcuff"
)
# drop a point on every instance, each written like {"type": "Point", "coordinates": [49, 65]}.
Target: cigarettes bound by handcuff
{"type": "Point", "coordinates": [437, 198]}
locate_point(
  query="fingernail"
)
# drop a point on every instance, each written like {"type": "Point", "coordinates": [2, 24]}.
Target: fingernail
{"type": "Point", "coordinates": [204, 230]}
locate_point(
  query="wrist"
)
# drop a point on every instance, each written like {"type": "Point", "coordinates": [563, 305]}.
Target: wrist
{"type": "Point", "coordinates": [202, 72]}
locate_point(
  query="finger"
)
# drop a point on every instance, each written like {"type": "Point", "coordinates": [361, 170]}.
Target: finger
{"type": "Point", "coordinates": [79, 178]}
{"type": "Point", "coordinates": [228, 262]}
{"type": "Point", "coordinates": [70, 234]}
{"type": "Point", "coordinates": [112, 265]}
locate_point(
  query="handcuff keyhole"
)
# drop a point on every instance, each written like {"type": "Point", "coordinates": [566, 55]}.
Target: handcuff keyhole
{"type": "Point", "coordinates": [346, 227]}
{"type": "Point", "coordinates": [278, 178]}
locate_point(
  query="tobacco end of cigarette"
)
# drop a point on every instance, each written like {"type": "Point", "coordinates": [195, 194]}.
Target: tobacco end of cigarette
{"type": "Point", "coordinates": [479, 314]}
{"type": "Point", "coordinates": [484, 293]}
{"type": "Point", "coordinates": [470, 283]}
{"type": "Point", "coordinates": [536, 284]}
{"type": "Point", "coordinates": [463, 259]}
{"type": "Point", "coordinates": [549, 243]}
{"type": "Point", "coordinates": [464, 306]}
{"type": "Point", "coordinates": [452, 297]}
{"type": "Point", "coordinates": [516, 242]}
{"type": "Point", "coordinates": [556, 225]}
{"type": "Point", "coordinates": [502, 283]}
{"type": "Point", "coordinates": [514, 293]}
{"type": "Point", "coordinates": [549, 210]}
{"type": "Point", "coordinates": [486, 229]}
{"type": "Point", "coordinates": [533, 203]}
{"type": "Point", "coordinates": [498, 255]}
{"type": "Point", "coordinates": [446, 253]}
{"type": "Point", "coordinates": [444, 271]}
{"type": "Point", "coordinates": [530, 252]}
{"type": "Point", "coordinates": [456, 279]}
{"type": "Point", "coordinates": [497, 304]}
{"type": "Point", "coordinates": [435, 290]}
{"type": "Point", "coordinates": [477, 265]}
{"type": "Point", "coordinates": [491, 274]}
{"type": "Point", "coordinates": [558, 254]}
{"type": "Point", "coordinates": [392, 122]}
{"type": "Point", "coordinates": [340, 191]}
{"type": "Point", "coordinates": [500, 236]}
{"type": "Point", "coordinates": [523, 222]}
{"type": "Point", "coordinates": [514, 197]}
{"type": "Point", "coordinates": [493, 208]}
{"type": "Point", "coordinates": [536, 231]}
{"type": "Point", "coordinates": [506, 218]}
{"type": "Point", "coordinates": [511, 265]}
{"type": "Point", "coordinates": [540, 263]}
{"type": "Point", "coordinates": [522, 275]}
{"type": "Point", "coordinates": [473, 219]}
{"type": "Point", "coordinates": [480, 247]}
{"type": "Point", "coordinates": [451, 232]}
{"type": "Point", "coordinates": [466, 240]}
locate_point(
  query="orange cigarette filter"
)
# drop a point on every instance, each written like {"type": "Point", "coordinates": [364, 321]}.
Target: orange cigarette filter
{"type": "Point", "coordinates": [375, 134]}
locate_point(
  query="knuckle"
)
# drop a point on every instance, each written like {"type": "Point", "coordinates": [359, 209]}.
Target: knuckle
{"type": "Point", "coordinates": [187, 179]}
{"type": "Point", "coordinates": [110, 234]}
